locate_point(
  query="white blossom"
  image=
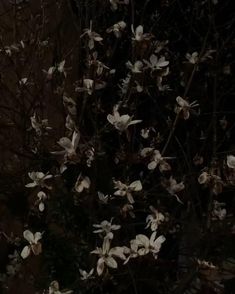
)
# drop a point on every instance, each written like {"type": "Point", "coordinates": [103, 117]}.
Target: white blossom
{"type": "Point", "coordinates": [93, 37]}
{"type": "Point", "coordinates": [138, 34]}
{"type": "Point", "coordinates": [136, 67]}
{"type": "Point", "coordinates": [132, 252]}
{"type": "Point", "coordinates": [184, 107]}
{"type": "Point", "coordinates": [39, 126]}
{"type": "Point", "coordinates": [34, 244]}
{"type": "Point", "coordinates": [38, 180]}
{"type": "Point", "coordinates": [41, 198]}
{"type": "Point", "coordinates": [124, 190]}
{"type": "Point", "coordinates": [147, 245]}
{"type": "Point", "coordinates": [106, 256]}
{"type": "Point", "coordinates": [192, 58]}
{"type": "Point", "coordinates": [69, 146]}
{"type": "Point", "coordinates": [86, 275]}
{"type": "Point", "coordinates": [155, 219]}
{"type": "Point", "coordinates": [156, 63]}
{"type": "Point", "coordinates": [106, 227]}
{"type": "Point", "coordinates": [117, 28]}
{"type": "Point", "coordinates": [121, 122]}
{"type": "Point", "coordinates": [218, 210]}
{"type": "Point", "coordinates": [231, 161]}
{"type": "Point", "coordinates": [173, 187]}
{"type": "Point", "coordinates": [82, 183]}
{"type": "Point", "coordinates": [55, 289]}
{"type": "Point", "coordinates": [156, 159]}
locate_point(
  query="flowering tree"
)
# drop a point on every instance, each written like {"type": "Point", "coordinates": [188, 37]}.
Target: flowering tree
{"type": "Point", "coordinates": [117, 153]}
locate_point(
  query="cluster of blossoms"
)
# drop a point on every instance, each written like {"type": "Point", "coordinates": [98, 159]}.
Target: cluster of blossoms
{"type": "Point", "coordinates": [141, 245]}
{"type": "Point", "coordinates": [77, 152]}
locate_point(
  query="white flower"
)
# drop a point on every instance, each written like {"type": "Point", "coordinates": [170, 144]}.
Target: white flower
{"type": "Point", "coordinates": [125, 84]}
{"type": "Point", "coordinates": [100, 66]}
{"type": "Point", "coordinates": [121, 122]}
{"type": "Point", "coordinates": [218, 210]}
{"type": "Point", "coordinates": [93, 37]}
{"type": "Point", "coordinates": [69, 146]}
{"type": "Point", "coordinates": [38, 180]}
{"type": "Point", "coordinates": [192, 58]}
{"type": "Point", "coordinates": [126, 190]}
{"type": "Point", "coordinates": [138, 34]}
{"type": "Point", "coordinates": [147, 245]}
{"type": "Point", "coordinates": [106, 256]}
{"type": "Point", "coordinates": [117, 28]}
{"type": "Point", "coordinates": [127, 209]}
{"type": "Point", "coordinates": [41, 198]}
{"type": "Point", "coordinates": [145, 133]}
{"type": "Point", "coordinates": [55, 289]}
{"type": "Point", "coordinates": [39, 126]}
{"type": "Point", "coordinates": [212, 180]}
{"type": "Point", "coordinates": [173, 187]}
{"type": "Point", "coordinates": [156, 159]}
{"type": "Point", "coordinates": [155, 219]}
{"type": "Point", "coordinates": [33, 246]}
{"type": "Point", "coordinates": [86, 275]}
{"type": "Point", "coordinates": [107, 228]}
{"type": "Point", "coordinates": [103, 198]}
{"type": "Point", "coordinates": [114, 3]}
{"type": "Point", "coordinates": [136, 67]}
{"type": "Point", "coordinates": [156, 63]}
{"type": "Point", "coordinates": [184, 107]}
{"type": "Point", "coordinates": [132, 251]}
{"type": "Point", "coordinates": [88, 86]}
{"type": "Point", "coordinates": [82, 183]}
{"type": "Point", "coordinates": [231, 161]}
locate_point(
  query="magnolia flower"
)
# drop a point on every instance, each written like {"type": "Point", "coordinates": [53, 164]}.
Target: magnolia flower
{"type": "Point", "coordinates": [218, 210]}
{"type": "Point", "coordinates": [39, 126]}
{"type": "Point", "coordinates": [231, 161]}
{"type": "Point", "coordinates": [184, 107]}
{"type": "Point", "coordinates": [213, 181]}
{"type": "Point", "coordinates": [147, 245]}
{"type": "Point", "coordinates": [69, 146]}
{"type": "Point", "coordinates": [55, 289]}
{"type": "Point", "coordinates": [41, 198]}
{"type": "Point", "coordinates": [132, 252]}
{"type": "Point", "coordinates": [126, 190]}
{"type": "Point", "coordinates": [114, 3]}
{"type": "Point", "coordinates": [138, 34]}
{"type": "Point", "coordinates": [107, 228]}
{"type": "Point", "coordinates": [93, 37]}
{"type": "Point", "coordinates": [156, 159]}
{"type": "Point", "coordinates": [104, 198]}
{"type": "Point", "coordinates": [117, 28]}
{"type": "Point", "coordinates": [34, 245]}
{"type": "Point", "coordinates": [173, 187]}
{"type": "Point", "coordinates": [136, 67]}
{"type": "Point", "coordinates": [125, 84]}
{"type": "Point", "coordinates": [38, 180]}
{"type": "Point", "coordinates": [155, 219]}
{"type": "Point", "coordinates": [100, 66]}
{"type": "Point", "coordinates": [82, 183]}
{"type": "Point", "coordinates": [127, 209]}
{"type": "Point", "coordinates": [58, 67]}
{"type": "Point", "coordinates": [106, 256]}
{"type": "Point", "coordinates": [88, 86]}
{"type": "Point", "coordinates": [156, 63]}
{"type": "Point", "coordinates": [192, 58]}
{"type": "Point", "coordinates": [86, 275]}
{"type": "Point", "coordinates": [206, 264]}
{"type": "Point", "coordinates": [121, 122]}
{"type": "Point", "coordinates": [70, 105]}
{"type": "Point", "coordinates": [145, 133]}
